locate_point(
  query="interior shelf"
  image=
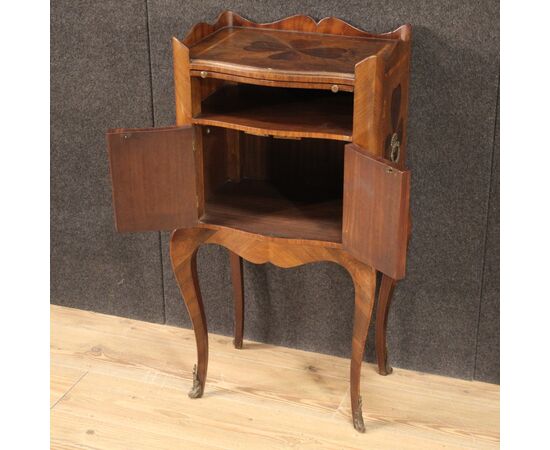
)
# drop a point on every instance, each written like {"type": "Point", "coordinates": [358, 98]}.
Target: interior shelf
{"type": "Point", "coordinates": [283, 112]}
{"type": "Point", "coordinates": [260, 207]}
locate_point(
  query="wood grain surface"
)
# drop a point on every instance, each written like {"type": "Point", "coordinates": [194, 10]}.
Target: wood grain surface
{"type": "Point", "coordinates": [293, 54]}
{"type": "Point", "coordinates": [122, 384]}
{"type": "Point", "coordinates": [259, 207]}
{"type": "Point", "coordinates": [292, 51]}
{"type": "Point", "coordinates": [280, 112]}
{"type": "Point", "coordinates": [153, 178]}
{"type": "Point", "coordinates": [376, 211]}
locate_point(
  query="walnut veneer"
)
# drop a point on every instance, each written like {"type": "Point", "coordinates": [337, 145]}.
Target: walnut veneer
{"type": "Point", "coordinates": [288, 148]}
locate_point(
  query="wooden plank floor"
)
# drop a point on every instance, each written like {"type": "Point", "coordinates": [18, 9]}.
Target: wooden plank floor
{"type": "Point", "coordinates": [122, 384]}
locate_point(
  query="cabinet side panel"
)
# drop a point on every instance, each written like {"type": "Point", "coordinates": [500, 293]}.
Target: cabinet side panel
{"type": "Point", "coordinates": [368, 100]}
{"type": "Point", "coordinates": [376, 210]}
{"type": "Point", "coordinates": [396, 106]}
{"type": "Point", "coordinates": [182, 83]}
{"type": "Point", "coordinates": [153, 176]}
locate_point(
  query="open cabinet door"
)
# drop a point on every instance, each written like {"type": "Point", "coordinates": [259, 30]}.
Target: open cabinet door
{"type": "Point", "coordinates": [376, 211]}
{"type": "Point", "coordinates": [153, 178]}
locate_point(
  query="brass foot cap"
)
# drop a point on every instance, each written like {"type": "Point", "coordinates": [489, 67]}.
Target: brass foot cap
{"type": "Point", "coordinates": [358, 423]}
{"type": "Point", "coordinates": [198, 387]}
{"type": "Point", "coordinates": [195, 392]}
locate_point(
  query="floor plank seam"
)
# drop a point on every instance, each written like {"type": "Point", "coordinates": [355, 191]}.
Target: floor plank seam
{"type": "Point", "coordinates": [344, 398]}
{"type": "Point", "coordinates": [69, 390]}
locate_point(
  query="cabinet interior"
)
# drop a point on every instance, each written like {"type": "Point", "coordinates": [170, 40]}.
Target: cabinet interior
{"type": "Point", "coordinates": [289, 188]}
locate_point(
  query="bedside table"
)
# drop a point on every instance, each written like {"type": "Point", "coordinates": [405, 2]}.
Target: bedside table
{"type": "Point", "coordinates": [288, 148]}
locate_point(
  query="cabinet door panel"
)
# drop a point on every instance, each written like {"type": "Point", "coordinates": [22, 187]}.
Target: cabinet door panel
{"type": "Point", "coordinates": [153, 178]}
{"type": "Point", "coordinates": [376, 211]}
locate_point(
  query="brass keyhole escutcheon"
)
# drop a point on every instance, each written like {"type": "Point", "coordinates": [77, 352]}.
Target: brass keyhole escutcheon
{"type": "Point", "coordinates": [204, 74]}
{"type": "Point", "coordinates": [395, 148]}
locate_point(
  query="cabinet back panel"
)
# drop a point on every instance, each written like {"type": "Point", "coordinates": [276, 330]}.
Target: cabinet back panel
{"type": "Point", "coordinates": [299, 168]}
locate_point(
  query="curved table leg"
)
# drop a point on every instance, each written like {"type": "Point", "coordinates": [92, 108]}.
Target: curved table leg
{"type": "Point", "coordinates": [283, 253]}
{"type": "Point", "coordinates": [183, 253]}
{"type": "Point", "coordinates": [364, 281]}
{"type": "Point", "coordinates": [238, 297]}
{"type": "Point", "coordinates": [385, 294]}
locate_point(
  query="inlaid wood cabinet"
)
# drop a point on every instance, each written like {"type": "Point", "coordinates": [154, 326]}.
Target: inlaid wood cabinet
{"type": "Point", "coordinates": [289, 147]}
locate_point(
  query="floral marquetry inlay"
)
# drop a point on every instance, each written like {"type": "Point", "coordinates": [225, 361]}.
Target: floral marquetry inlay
{"type": "Point", "coordinates": [292, 49]}
{"type": "Point", "coordinates": [295, 47]}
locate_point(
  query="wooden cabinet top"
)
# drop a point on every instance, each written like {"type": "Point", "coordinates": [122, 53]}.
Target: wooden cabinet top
{"type": "Point", "coordinates": [296, 49]}
{"type": "Point", "coordinates": [286, 52]}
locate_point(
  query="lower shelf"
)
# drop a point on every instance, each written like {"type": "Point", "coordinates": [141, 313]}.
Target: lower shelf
{"type": "Point", "coordinates": [259, 207]}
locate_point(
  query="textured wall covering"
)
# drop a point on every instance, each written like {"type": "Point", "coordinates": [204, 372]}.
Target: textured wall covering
{"type": "Point", "coordinates": [487, 355]}
{"type": "Point", "coordinates": [454, 85]}
{"type": "Point", "coordinates": [99, 79]}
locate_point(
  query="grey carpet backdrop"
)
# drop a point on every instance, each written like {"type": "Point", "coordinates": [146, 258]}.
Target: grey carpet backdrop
{"type": "Point", "coordinates": [112, 67]}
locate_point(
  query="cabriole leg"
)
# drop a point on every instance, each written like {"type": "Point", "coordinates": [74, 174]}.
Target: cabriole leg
{"type": "Point", "coordinates": [183, 252]}
{"type": "Point", "coordinates": [238, 297]}
{"type": "Point", "coordinates": [385, 294]}
{"type": "Point", "coordinates": [364, 280]}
